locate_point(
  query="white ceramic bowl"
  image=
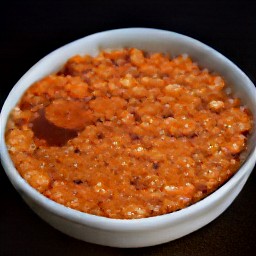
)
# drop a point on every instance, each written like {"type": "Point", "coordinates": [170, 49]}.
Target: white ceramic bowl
{"type": "Point", "coordinates": [146, 231]}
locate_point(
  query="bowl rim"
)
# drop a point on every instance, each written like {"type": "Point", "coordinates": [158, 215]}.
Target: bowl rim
{"type": "Point", "coordinates": [105, 223]}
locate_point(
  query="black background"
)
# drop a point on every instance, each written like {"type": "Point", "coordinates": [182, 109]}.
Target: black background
{"type": "Point", "coordinates": [32, 29]}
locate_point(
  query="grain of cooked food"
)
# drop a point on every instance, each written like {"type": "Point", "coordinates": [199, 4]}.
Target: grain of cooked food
{"type": "Point", "coordinates": [128, 134]}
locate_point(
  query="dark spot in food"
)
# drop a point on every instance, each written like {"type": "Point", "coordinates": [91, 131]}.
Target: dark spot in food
{"type": "Point", "coordinates": [77, 151]}
{"type": "Point", "coordinates": [78, 181]}
{"type": "Point", "coordinates": [155, 166]}
{"type": "Point", "coordinates": [167, 112]}
{"type": "Point", "coordinates": [25, 105]}
{"type": "Point", "coordinates": [20, 122]}
{"type": "Point", "coordinates": [136, 116]}
{"type": "Point", "coordinates": [137, 182]}
{"type": "Point", "coordinates": [167, 115]}
{"type": "Point", "coordinates": [99, 120]}
{"type": "Point", "coordinates": [134, 136]}
{"type": "Point", "coordinates": [100, 136]}
{"type": "Point", "coordinates": [201, 187]}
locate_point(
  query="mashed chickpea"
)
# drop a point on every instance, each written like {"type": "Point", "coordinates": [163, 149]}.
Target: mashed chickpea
{"type": "Point", "coordinates": [128, 134]}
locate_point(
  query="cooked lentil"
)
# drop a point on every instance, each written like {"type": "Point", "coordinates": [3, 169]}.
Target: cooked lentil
{"type": "Point", "coordinates": [128, 134]}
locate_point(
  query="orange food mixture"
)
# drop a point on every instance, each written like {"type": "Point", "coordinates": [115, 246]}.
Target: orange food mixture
{"type": "Point", "coordinates": [128, 134]}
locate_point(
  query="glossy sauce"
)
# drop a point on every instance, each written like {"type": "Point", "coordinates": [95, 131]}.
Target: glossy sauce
{"type": "Point", "coordinates": [53, 135]}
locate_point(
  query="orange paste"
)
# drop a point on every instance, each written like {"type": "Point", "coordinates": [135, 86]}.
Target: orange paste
{"type": "Point", "coordinates": [128, 134]}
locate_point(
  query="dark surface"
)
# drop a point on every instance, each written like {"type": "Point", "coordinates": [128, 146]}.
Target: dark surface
{"type": "Point", "coordinates": [32, 29]}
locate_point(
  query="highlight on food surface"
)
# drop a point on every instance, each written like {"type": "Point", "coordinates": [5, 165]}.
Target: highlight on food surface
{"type": "Point", "coordinates": [128, 134]}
